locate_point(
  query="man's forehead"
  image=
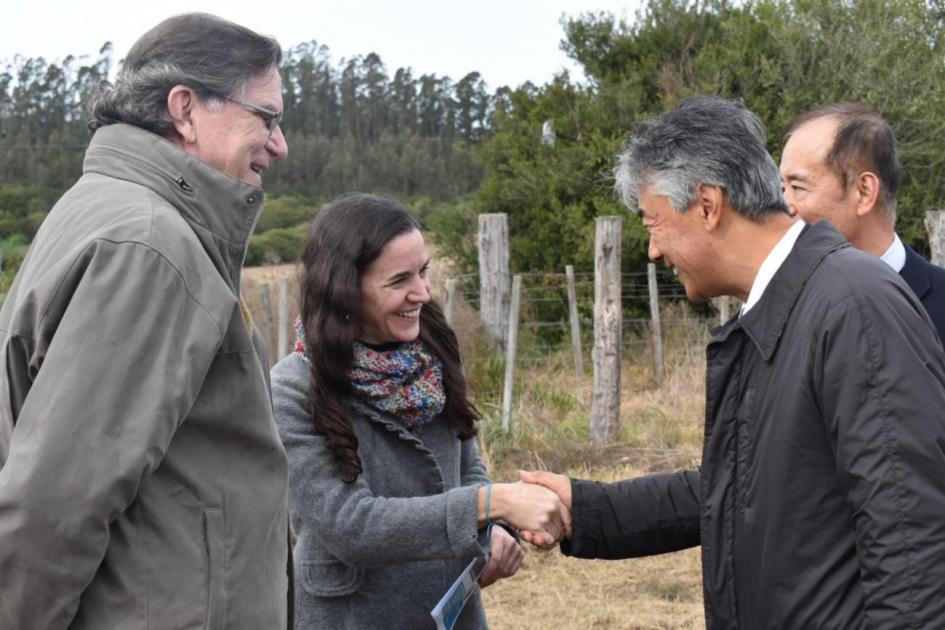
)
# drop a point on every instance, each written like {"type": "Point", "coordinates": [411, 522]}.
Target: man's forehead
{"type": "Point", "coordinates": [649, 201]}
{"type": "Point", "coordinates": [267, 86]}
{"type": "Point", "coordinates": [811, 141]}
{"type": "Point", "coordinates": [643, 200]}
{"type": "Point", "coordinates": [796, 174]}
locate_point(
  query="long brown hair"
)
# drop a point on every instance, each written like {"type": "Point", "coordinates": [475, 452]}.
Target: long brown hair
{"type": "Point", "coordinates": [346, 236]}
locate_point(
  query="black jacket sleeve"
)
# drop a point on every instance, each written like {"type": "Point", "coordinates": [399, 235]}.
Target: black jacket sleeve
{"type": "Point", "coordinates": [635, 517]}
{"type": "Point", "coordinates": [881, 383]}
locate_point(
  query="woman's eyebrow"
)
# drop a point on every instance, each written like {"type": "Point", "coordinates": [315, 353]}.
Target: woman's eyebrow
{"type": "Point", "coordinates": [397, 276]}
{"type": "Point", "coordinates": [400, 275]}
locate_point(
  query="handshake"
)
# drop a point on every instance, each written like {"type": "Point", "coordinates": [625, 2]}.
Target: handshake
{"type": "Point", "coordinates": [539, 506]}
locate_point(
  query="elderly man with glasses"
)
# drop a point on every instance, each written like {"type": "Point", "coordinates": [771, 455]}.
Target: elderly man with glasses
{"type": "Point", "coordinates": [142, 481]}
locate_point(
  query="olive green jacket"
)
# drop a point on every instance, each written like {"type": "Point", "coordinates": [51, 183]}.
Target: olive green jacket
{"type": "Point", "coordinates": [142, 481]}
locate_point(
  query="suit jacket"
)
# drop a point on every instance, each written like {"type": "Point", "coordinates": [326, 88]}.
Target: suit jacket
{"type": "Point", "coordinates": [928, 283]}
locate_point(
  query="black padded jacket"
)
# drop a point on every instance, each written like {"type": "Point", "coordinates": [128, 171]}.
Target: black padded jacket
{"type": "Point", "coordinates": [820, 501]}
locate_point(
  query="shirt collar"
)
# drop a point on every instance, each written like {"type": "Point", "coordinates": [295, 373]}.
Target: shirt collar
{"type": "Point", "coordinates": [765, 323]}
{"type": "Point", "coordinates": [771, 264]}
{"type": "Point", "coordinates": [895, 256]}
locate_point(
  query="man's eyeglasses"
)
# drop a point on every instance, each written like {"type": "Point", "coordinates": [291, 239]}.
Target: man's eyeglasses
{"type": "Point", "coordinates": [270, 118]}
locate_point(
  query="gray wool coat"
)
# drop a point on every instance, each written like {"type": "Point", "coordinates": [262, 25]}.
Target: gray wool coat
{"type": "Point", "coordinates": [379, 552]}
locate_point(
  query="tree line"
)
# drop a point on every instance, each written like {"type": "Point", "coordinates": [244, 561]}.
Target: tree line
{"type": "Point", "coordinates": [781, 57]}
{"type": "Point", "coordinates": [350, 126]}
{"type": "Point", "coordinates": [353, 126]}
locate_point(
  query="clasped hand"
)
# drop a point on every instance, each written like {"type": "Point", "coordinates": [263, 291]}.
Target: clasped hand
{"type": "Point", "coordinates": [539, 505]}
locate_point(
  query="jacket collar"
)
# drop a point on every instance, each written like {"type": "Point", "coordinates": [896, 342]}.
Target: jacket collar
{"type": "Point", "coordinates": [386, 420]}
{"type": "Point", "coordinates": [916, 273]}
{"type": "Point", "coordinates": [221, 209]}
{"type": "Point", "coordinates": [765, 323]}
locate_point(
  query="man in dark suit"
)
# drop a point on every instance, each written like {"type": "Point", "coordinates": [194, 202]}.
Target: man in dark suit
{"type": "Point", "coordinates": [839, 163]}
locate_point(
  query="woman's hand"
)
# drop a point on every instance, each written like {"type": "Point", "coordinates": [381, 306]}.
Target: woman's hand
{"type": "Point", "coordinates": [505, 559]}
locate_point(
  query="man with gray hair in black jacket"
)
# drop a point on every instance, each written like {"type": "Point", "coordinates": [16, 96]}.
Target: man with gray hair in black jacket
{"type": "Point", "coordinates": [820, 501]}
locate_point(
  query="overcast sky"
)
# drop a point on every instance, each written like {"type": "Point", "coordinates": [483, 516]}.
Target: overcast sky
{"type": "Point", "coordinates": [507, 41]}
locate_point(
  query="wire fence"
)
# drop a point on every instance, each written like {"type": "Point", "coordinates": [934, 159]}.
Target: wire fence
{"type": "Point", "coordinates": [544, 325]}
{"type": "Point", "coordinates": [544, 320]}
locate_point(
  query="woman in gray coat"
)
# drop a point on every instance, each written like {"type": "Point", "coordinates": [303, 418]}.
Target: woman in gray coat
{"type": "Point", "coordinates": [389, 499]}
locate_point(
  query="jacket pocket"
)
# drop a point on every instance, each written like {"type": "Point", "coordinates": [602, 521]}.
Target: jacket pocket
{"type": "Point", "coordinates": [329, 578]}
{"type": "Point", "coordinates": [746, 425]}
{"type": "Point", "coordinates": [216, 574]}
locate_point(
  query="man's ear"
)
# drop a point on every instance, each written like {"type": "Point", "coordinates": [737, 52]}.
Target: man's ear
{"type": "Point", "coordinates": [181, 102]}
{"type": "Point", "coordinates": [710, 201]}
{"type": "Point", "coordinates": [867, 188]}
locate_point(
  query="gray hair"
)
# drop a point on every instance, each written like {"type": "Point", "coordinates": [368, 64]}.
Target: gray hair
{"type": "Point", "coordinates": [210, 55]}
{"type": "Point", "coordinates": [704, 140]}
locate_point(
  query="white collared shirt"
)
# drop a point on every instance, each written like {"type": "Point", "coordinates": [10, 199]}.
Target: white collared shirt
{"type": "Point", "coordinates": [771, 264]}
{"type": "Point", "coordinates": [895, 256]}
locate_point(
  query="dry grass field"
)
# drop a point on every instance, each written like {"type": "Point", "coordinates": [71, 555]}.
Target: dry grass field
{"type": "Point", "coordinates": [661, 430]}
{"type": "Point", "coordinates": [552, 591]}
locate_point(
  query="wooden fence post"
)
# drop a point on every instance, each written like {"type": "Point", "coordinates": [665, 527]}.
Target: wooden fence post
{"type": "Point", "coordinates": [725, 308]}
{"type": "Point", "coordinates": [449, 300]}
{"type": "Point", "coordinates": [656, 326]}
{"type": "Point", "coordinates": [494, 275]}
{"type": "Point", "coordinates": [265, 323]}
{"type": "Point", "coordinates": [935, 225]}
{"type": "Point", "coordinates": [608, 323]}
{"type": "Point", "coordinates": [575, 324]}
{"type": "Point", "coordinates": [510, 352]}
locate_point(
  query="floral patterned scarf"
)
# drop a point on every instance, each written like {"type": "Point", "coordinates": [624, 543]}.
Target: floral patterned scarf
{"type": "Point", "coordinates": [405, 381]}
